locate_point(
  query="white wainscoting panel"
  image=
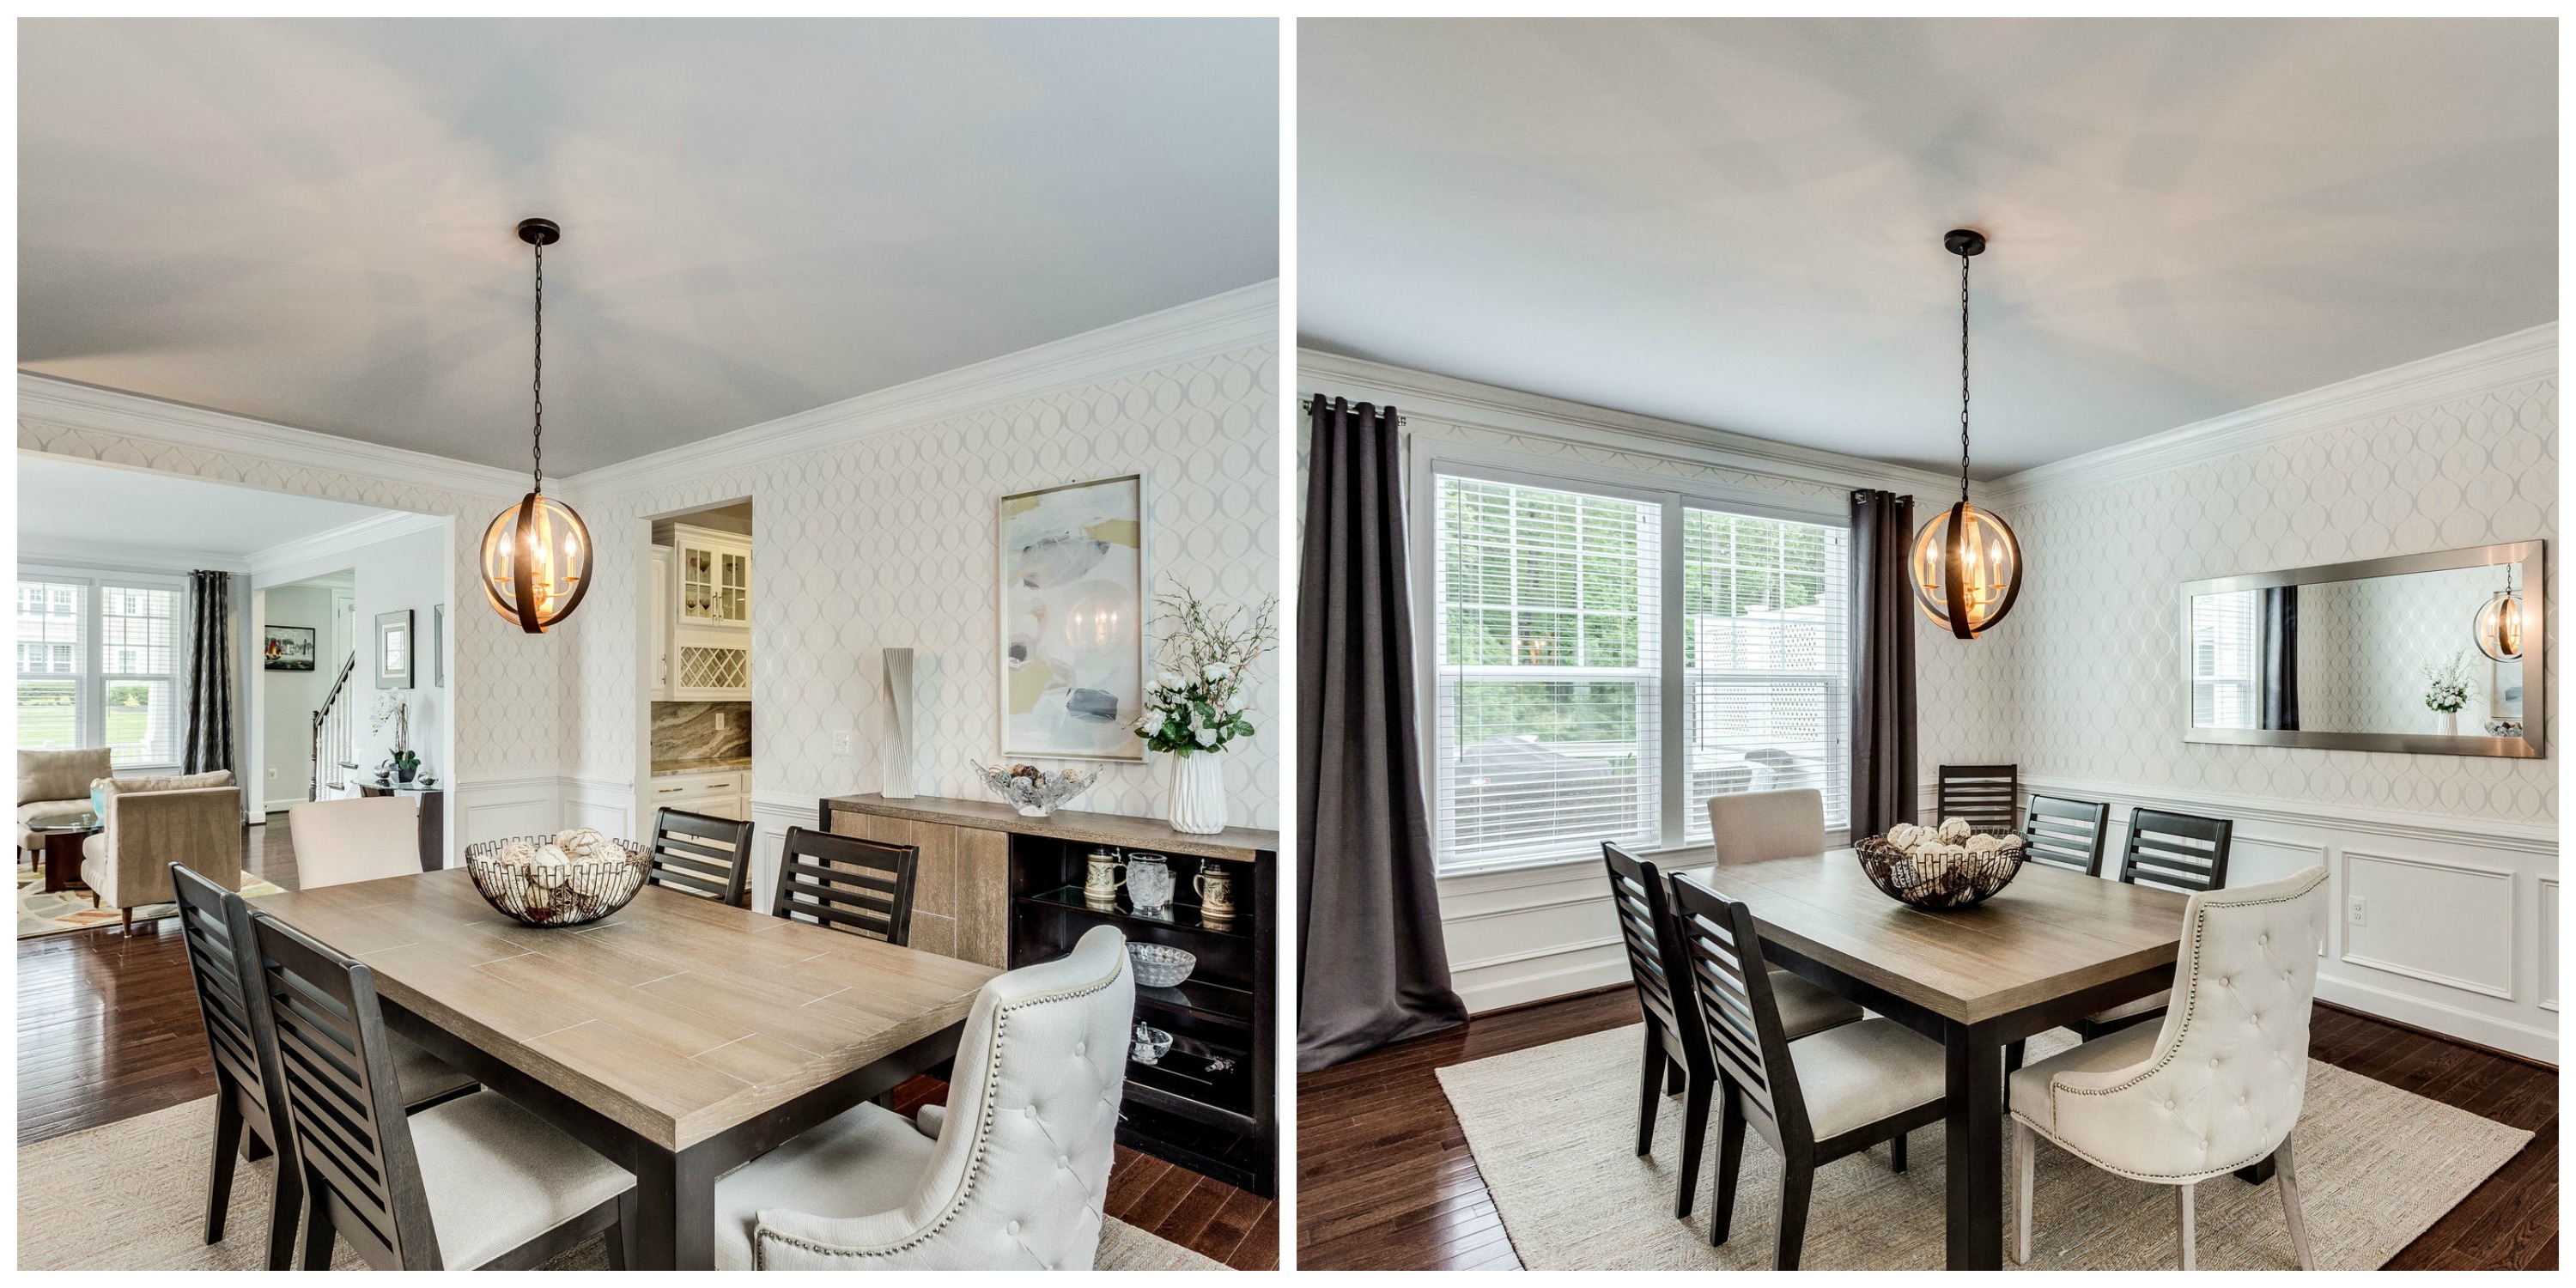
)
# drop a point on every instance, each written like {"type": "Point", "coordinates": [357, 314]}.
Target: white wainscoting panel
{"type": "Point", "coordinates": [2444, 923]}
{"type": "Point", "coordinates": [603, 804]}
{"type": "Point", "coordinates": [771, 815]}
{"type": "Point", "coordinates": [497, 807]}
{"type": "Point", "coordinates": [1530, 934]}
{"type": "Point", "coordinates": [2548, 917]}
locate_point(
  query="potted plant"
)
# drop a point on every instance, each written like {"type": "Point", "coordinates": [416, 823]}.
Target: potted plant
{"type": "Point", "coordinates": [1195, 704]}
{"type": "Point", "coordinates": [2446, 690]}
{"type": "Point", "coordinates": [391, 710]}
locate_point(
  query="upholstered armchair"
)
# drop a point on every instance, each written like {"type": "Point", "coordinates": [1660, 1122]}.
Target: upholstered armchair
{"type": "Point", "coordinates": [55, 782]}
{"type": "Point", "coordinates": [2217, 1086]}
{"type": "Point", "coordinates": [1011, 1175]}
{"type": "Point", "coordinates": [151, 823]}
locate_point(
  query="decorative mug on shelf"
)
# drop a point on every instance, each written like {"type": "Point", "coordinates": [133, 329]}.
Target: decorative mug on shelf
{"type": "Point", "coordinates": [1100, 877]}
{"type": "Point", "coordinates": [1149, 883]}
{"type": "Point", "coordinates": [1215, 888]}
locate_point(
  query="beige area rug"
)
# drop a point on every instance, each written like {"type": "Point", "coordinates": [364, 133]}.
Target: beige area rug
{"type": "Point", "coordinates": [1552, 1128]}
{"type": "Point", "coordinates": [64, 911]}
{"type": "Point", "coordinates": [132, 1195]}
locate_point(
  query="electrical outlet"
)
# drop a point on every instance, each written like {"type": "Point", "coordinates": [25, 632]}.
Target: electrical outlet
{"type": "Point", "coordinates": [272, 775]}
{"type": "Point", "coordinates": [2360, 914]}
{"type": "Point", "coordinates": [841, 745]}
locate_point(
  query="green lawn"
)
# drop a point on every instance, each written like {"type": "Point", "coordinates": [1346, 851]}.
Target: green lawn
{"type": "Point", "coordinates": [51, 724]}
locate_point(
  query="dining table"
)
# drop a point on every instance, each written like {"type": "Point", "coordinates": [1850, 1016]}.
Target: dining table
{"type": "Point", "coordinates": [678, 1037]}
{"type": "Point", "coordinates": [2051, 947]}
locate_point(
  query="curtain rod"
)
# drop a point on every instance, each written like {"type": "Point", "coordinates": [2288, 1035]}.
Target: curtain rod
{"type": "Point", "coordinates": [1308, 406]}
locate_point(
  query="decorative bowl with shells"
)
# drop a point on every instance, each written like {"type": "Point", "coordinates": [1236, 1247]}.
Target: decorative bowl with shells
{"type": "Point", "coordinates": [1946, 867]}
{"type": "Point", "coordinates": [1035, 791]}
{"type": "Point", "coordinates": [568, 879]}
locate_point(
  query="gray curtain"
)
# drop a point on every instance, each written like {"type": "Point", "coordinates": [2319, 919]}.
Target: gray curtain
{"type": "Point", "coordinates": [209, 687]}
{"type": "Point", "coordinates": [2281, 657]}
{"type": "Point", "coordinates": [1374, 968]}
{"type": "Point", "coordinates": [1882, 662]}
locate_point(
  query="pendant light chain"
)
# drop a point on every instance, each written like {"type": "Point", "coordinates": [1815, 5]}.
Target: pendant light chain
{"type": "Point", "coordinates": [538, 440]}
{"type": "Point", "coordinates": [1963, 379]}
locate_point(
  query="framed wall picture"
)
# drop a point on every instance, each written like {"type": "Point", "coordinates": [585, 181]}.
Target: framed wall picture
{"type": "Point", "coordinates": [438, 646]}
{"type": "Point", "coordinates": [393, 649]}
{"type": "Point", "coordinates": [1072, 646]}
{"type": "Point", "coordinates": [286, 648]}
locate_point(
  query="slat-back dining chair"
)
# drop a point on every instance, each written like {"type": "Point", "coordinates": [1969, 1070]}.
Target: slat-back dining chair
{"type": "Point", "coordinates": [702, 855]}
{"type": "Point", "coordinates": [474, 1183]}
{"type": "Point", "coordinates": [2065, 833]}
{"type": "Point", "coordinates": [2180, 852]}
{"type": "Point", "coordinates": [1815, 1099]}
{"type": "Point", "coordinates": [1981, 794]}
{"type": "Point", "coordinates": [858, 886]}
{"type": "Point", "coordinates": [1675, 1056]}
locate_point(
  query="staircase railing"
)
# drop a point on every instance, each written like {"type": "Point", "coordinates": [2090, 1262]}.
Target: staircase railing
{"type": "Point", "coordinates": [332, 737]}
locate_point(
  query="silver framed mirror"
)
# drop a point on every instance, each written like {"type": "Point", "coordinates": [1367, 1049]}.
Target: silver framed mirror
{"type": "Point", "coordinates": [2363, 656]}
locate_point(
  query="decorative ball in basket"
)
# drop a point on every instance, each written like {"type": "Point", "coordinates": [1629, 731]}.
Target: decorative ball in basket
{"type": "Point", "coordinates": [1943, 867]}
{"type": "Point", "coordinates": [567, 879]}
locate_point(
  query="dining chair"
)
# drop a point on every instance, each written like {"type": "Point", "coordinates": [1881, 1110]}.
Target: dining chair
{"type": "Point", "coordinates": [250, 1105]}
{"type": "Point", "coordinates": [1756, 827]}
{"type": "Point", "coordinates": [474, 1183]}
{"type": "Point", "coordinates": [2064, 833]}
{"type": "Point", "coordinates": [361, 838]}
{"type": "Point", "coordinates": [1981, 794]}
{"type": "Point", "coordinates": [857, 886]}
{"type": "Point", "coordinates": [1011, 1174]}
{"type": "Point", "coordinates": [701, 854]}
{"type": "Point", "coordinates": [2216, 1087]}
{"type": "Point", "coordinates": [2184, 853]}
{"type": "Point", "coordinates": [1676, 1057]}
{"type": "Point", "coordinates": [1815, 1099]}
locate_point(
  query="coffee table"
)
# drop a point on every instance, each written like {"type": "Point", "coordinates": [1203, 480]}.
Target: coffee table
{"type": "Point", "coordinates": [63, 835]}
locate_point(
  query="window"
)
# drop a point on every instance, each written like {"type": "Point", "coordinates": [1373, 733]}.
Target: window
{"type": "Point", "coordinates": [1551, 676]}
{"type": "Point", "coordinates": [98, 664]}
{"type": "Point", "coordinates": [2225, 656]}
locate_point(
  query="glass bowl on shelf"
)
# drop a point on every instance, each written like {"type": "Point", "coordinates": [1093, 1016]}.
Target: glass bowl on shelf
{"type": "Point", "coordinates": [1035, 792]}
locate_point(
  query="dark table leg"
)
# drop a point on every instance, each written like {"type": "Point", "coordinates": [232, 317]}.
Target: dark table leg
{"type": "Point", "coordinates": [1976, 1130]}
{"type": "Point", "coordinates": [675, 1218]}
{"type": "Point", "coordinates": [2256, 1173]}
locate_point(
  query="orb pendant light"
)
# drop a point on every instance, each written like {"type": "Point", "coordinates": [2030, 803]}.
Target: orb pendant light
{"type": "Point", "coordinates": [2499, 623]}
{"type": "Point", "coordinates": [1966, 563]}
{"type": "Point", "coordinates": [536, 554]}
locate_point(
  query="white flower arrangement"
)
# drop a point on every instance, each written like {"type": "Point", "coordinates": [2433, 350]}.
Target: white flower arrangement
{"type": "Point", "coordinates": [1195, 702]}
{"type": "Point", "coordinates": [2447, 686]}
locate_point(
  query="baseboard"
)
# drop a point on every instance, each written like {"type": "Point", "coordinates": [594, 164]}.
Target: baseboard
{"type": "Point", "coordinates": [1530, 981]}
{"type": "Point", "coordinates": [2449, 1023]}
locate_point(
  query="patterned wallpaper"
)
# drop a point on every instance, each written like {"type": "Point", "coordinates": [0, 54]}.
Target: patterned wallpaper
{"type": "Point", "coordinates": [501, 674]}
{"type": "Point", "coordinates": [2088, 667]}
{"type": "Point", "coordinates": [889, 540]}
{"type": "Point", "coordinates": [2363, 647]}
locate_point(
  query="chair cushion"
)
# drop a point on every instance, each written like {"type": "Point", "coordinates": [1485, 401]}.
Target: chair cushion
{"type": "Point", "coordinates": [60, 775]}
{"type": "Point", "coordinates": [2148, 1005]}
{"type": "Point", "coordinates": [498, 1176]}
{"type": "Point", "coordinates": [1807, 1008]}
{"type": "Point", "coordinates": [866, 1161]}
{"type": "Point", "coordinates": [165, 782]}
{"type": "Point", "coordinates": [29, 811]}
{"type": "Point", "coordinates": [423, 1076]}
{"type": "Point", "coordinates": [1853, 1075]}
{"type": "Point", "coordinates": [2027, 1090]}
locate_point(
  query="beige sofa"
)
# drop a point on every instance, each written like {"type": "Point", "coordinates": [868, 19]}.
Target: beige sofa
{"type": "Point", "coordinates": [54, 782]}
{"type": "Point", "coordinates": [152, 823]}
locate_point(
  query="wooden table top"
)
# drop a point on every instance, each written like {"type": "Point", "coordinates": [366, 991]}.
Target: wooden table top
{"type": "Point", "coordinates": [2048, 934]}
{"type": "Point", "coordinates": [676, 1017]}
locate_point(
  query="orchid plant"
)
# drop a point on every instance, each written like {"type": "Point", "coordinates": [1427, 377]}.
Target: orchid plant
{"type": "Point", "coordinates": [1195, 702]}
{"type": "Point", "coordinates": [2447, 687]}
{"type": "Point", "coordinates": [392, 710]}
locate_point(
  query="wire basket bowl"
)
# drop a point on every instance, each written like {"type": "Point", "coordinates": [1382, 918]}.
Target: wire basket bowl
{"type": "Point", "coordinates": [569, 894]}
{"type": "Point", "coordinates": [1937, 882]}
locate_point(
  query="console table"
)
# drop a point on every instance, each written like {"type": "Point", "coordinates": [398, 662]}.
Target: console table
{"type": "Point", "coordinates": [1005, 890]}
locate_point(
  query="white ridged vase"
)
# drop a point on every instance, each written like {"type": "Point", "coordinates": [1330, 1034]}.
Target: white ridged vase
{"type": "Point", "coordinates": [1198, 793]}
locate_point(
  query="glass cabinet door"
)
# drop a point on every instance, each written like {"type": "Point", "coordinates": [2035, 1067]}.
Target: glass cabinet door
{"type": "Point", "coordinates": [697, 583]}
{"type": "Point", "coordinates": [734, 587]}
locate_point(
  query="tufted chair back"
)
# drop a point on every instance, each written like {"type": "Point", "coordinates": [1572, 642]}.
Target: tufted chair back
{"type": "Point", "coordinates": [2223, 1085]}
{"type": "Point", "coordinates": [1021, 1167]}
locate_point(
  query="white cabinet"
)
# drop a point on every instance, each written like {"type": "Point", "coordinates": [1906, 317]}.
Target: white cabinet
{"type": "Point", "coordinates": [706, 622]}
{"type": "Point", "coordinates": [711, 578]}
{"type": "Point", "coordinates": [710, 665]}
{"type": "Point", "coordinates": [723, 795]}
{"type": "Point", "coordinates": [660, 628]}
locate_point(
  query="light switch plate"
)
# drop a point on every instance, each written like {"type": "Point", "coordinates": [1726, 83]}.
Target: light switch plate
{"type": "Point", "coordinates": [841, 745]}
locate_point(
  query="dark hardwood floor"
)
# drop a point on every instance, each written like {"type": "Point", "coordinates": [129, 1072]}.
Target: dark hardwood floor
{"type": "Point", "coordinates": [108, 1029]}
{"type": "Point", "coordinates": [1385, 1182]}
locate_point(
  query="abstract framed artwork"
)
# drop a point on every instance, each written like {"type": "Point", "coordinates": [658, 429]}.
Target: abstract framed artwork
{"type": "Point", "coordinates": [393, 649]}
{"type": "Point", "coordinates": [286, 648]}
{"type": "Point", "coordinates": [1072, 646]}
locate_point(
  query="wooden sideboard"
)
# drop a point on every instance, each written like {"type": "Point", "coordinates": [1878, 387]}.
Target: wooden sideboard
{"type": "Point", "coordinates": [997, 888]}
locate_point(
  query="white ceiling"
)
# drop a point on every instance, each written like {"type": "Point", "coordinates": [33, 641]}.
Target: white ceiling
{"type": "Point", "coordinates": [311, 221]}
{"type": "Point", "coordinates": [1738, 223]}
{"type": "Point", "coordinates": [68, 504]}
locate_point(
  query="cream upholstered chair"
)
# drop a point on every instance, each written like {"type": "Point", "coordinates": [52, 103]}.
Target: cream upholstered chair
{"type": "Point", "coordinates": [1755, 827]}
{"type": "Point", "coordinates": [2217, 1085]}
{"type": "Point", "coordinates": [360, 839]}
{"type": "Point", "coordinates": [1011, 1175]}
{"type": "Point", "coordinates": [151, 823]}
{"type": "Point", "coordinates": [55, 782]}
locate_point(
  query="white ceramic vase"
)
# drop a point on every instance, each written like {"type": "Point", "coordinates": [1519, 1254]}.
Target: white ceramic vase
{"type": "Point", "coordinates": [1198, 792]}
{"type": "Point", "coordinates": [2447, 723]}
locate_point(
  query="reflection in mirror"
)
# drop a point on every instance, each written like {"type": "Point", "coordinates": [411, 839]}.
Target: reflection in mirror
{"type": "Point", "coordinates": [2362, 655]}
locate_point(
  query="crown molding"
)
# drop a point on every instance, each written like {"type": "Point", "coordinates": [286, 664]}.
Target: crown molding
{"type": "Point", "coordinates": [338, 541]}
{"type": "Point", "coordinates": [113, 556]}
{"type": "Point", "coordinates": [1471, 403]}
{"type": "Point", "coordinates": [2506, 360]}
{"type": "Point", "coordinates": [1237, 319]}
{"type": "Point", "coordinates": [68, 404]}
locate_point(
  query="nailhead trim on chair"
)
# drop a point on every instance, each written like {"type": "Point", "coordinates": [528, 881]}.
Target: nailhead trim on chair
{"type": "Point", "coordinates": [2200, 928]}
{"type": "Point", "coordinates": [762, 1235]}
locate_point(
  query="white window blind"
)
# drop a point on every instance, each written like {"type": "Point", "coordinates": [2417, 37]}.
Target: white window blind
{"type": "Point", "coordinates": [1765, 637]}
{"type": "Point", "coordinates": [2226, 659]}
{"type": "Point", "coordinates": [49, 663]}
{"type": "Point", "coordinates": [138, 651]}
{"type": "Point", "coordinates": [98, 665]}
{"type": "Point", "coordinates": [1546, 741]}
